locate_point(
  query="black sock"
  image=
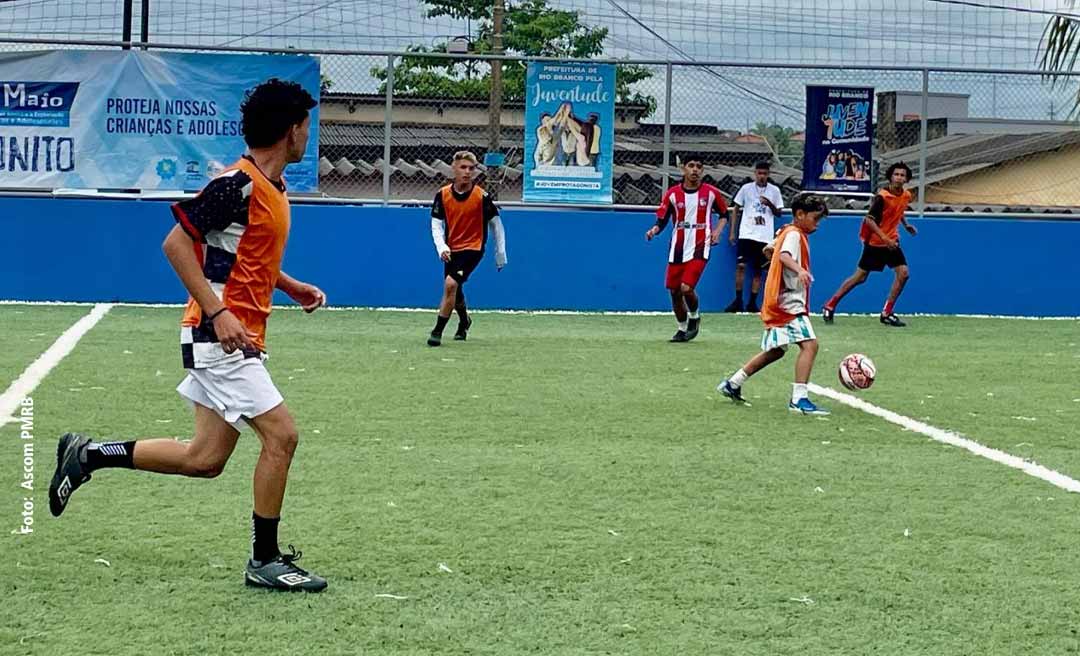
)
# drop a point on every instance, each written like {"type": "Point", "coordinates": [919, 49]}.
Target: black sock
{"type": "Point", "coordinates": [264, 538]}
{"type": "Point", "coordinates": [440, 324]}
{"type": "Point", "coordinates": [98, 455]}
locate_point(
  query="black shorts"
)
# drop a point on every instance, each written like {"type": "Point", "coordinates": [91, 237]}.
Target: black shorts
{"type": "Point", "coordinates": [876, 258]}
{"type": "Point", "coordinates": [462, 264]}
{"type": "Point", "coordinates": [751, 253]}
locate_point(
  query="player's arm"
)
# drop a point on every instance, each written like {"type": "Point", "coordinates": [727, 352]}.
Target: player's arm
{"type": "Point", "coordinates": [907, 226]}
{"type": "Point", "coordinates": [736, 216]}
{"type": "Point", "coordinates": [491, 215]}
{"type": "Point", "coordinates": [722, 212]}
{"type": "Point", "coordinates": [309, 296]}
{"type": "Point", "coordinates": [438, 228]}
{"type": "Point", "coordinates": [791, 265]}
{"type": "Point", "coordinates": [663, 214]}
{"type": "Point", "coordinates": [872, 220]}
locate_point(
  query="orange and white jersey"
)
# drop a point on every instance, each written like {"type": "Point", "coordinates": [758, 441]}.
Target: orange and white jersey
{"type": "Point", "coordinates": [239, 223]}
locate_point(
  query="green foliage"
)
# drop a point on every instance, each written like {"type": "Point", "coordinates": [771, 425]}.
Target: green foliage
{"type": "Point", "coordinates": [1059, 50]}
{"type": "Point", "coordinates": [530, 29]}
{"type": "Point", "coordinates": [779, 138]}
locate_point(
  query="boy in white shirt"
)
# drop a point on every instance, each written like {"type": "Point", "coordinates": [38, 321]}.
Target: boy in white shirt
{"type": "Point", "coordinates": [758, 204]}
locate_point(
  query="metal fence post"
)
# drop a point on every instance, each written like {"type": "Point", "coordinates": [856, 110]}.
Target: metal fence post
{"type": "Point", "coordinates": [126, 27]}
{"type": "Point", "coordinates": [386, 129]}
{"type": "Point", "coordinates": [667, 127]}
{"type": "Point", "coordinates": [144, 26]}
{"type": "Point", "coordinates": [923, 118]}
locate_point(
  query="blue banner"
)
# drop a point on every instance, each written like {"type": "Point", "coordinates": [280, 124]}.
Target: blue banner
{"type": "Point", "coordinates": [135, 119]}
{"type": "Point", "coordinates": [839, 139]}
{"type": "Point", "coordinates": [569, 132]}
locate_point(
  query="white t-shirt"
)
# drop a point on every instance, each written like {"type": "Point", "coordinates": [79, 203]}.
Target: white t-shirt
{"type": "Point", "coordinates": [792, 291]}
{"type": "Point", "coordinates": [757, 219]}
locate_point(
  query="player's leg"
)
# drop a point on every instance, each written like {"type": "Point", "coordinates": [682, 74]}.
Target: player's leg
{"type": "Point", "coordinates": [690, 278]}
{"type": "Point", "coordinates": [678, 307]}
{"type": "Point", "coordinates": [693, 305]}
{"type": "Point", "coordinates": [900, 279]}
{"type": "Point", "coordinates": [828, 312]}
{"type": "Point", "coordinates": [804, 365]}
{"type": "Point", "coordinates": [673, 283]}
{"type": "Point", "coordinates": [203, 457]}
{"type": "Point", "coordinates": [268, 567]}
{"type": "Point", "coordinates": [755, 289]}
{"type": "Point", "coordinates": [464, 320]}
{"type": "Point", "coordinates": [731, 387]}
{"type": "Point", "coordinates": [446, 307]}
{"type": "Point", "coordinates": [736, 305]}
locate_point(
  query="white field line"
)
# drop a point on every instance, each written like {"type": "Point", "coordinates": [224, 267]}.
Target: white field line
{"type": "Point", "coordinates": [597, 313]}
{"type": "Point", "coordinates": [1056, 479]}
{"type": "Point", "coordinates": [25, 384]}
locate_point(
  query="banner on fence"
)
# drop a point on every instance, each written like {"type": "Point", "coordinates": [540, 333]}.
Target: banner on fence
{"type": "Point", "coordinates": [569, 132]}
{"type": "Point", "coordinates": [135, 119]}
{"type": "Point", "coordinates": [839, 139]}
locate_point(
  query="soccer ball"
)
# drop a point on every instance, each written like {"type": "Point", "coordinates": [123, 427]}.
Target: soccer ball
{"type": "Point", "coordinates": [857, 372]}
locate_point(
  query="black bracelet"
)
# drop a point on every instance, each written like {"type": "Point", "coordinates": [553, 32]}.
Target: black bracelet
{"type": "Point", "coordinates": [215, 315]}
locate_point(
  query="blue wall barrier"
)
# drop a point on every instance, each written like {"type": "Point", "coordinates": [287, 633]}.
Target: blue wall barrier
{"type": "Point", "coordinates": [109, 250]}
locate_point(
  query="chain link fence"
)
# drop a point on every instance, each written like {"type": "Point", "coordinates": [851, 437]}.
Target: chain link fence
{"type": "Point", "coordinates": [994, 141]}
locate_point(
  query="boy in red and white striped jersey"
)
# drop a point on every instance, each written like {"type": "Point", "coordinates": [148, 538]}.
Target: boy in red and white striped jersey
{"type": "Point", "coordinates": [689, 206]}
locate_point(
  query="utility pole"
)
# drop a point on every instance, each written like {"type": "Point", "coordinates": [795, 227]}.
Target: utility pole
{"type": "Point", "coordinates": [495, 117]}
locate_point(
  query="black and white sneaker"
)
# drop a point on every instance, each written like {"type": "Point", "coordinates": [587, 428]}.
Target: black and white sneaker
{"type": "Point", "coordinates": [752, 307]}
{"type": "Point", "coordinates": [693, 327]}
{"type": "Point", "coordinates": [69, 474]}
{"type": "Point", "coordinates": [680, 337]}
{"type": "Point", "coordinates": [828, 314]}
{"type": "Point", "coordinates": [282, 573]}
{"type": "Point", "coordinates": [434, 339]}
{"type": "Point", "coordinates": [463, 330]}
{"type": "Point", "coordinates": [892, 320]}
{"type": "Point", "coordinates": [734, 306]}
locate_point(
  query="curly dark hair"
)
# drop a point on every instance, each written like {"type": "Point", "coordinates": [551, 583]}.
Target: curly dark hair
{"type": "Point", "coordinates": [270, 109]}
{"type": "Point", "coordinates": [897, 167]}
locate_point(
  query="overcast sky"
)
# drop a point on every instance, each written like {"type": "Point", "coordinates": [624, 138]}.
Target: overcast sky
{"type": "Point", "coordinates": [1001, 34]}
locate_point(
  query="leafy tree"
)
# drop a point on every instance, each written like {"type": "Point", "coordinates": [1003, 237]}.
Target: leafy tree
{"type": "Point", "coordinates": [779, 138]}
{"type": "Point", "coordinates": [1060, 48]}
{"type": "Point", "coordinates": [530, 29]}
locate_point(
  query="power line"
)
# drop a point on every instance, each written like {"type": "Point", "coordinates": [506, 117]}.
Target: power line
{"type": "Point", "coordinates": [768, 101]}
{"type": "Point", "coordinates": [1021, 10]}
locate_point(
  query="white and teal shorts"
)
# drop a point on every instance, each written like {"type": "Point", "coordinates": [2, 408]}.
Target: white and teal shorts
{"type": "Point", "coordinates": [795, 331]}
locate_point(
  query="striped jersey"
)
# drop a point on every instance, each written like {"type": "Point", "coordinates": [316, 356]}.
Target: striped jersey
{"type": "Point", "coordinates": [690, 212]}
{"type": "Point", "coordinates": [239, 223]}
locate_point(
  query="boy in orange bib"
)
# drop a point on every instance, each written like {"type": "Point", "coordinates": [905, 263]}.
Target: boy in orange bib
{"type": "Point", "coordinates": [880, 234]}
{"type": "Point", "coordinates": [785, 308]}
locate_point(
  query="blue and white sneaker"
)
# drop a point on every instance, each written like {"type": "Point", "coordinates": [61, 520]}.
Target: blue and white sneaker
{"type": "Point", "coordinates": [733, 393]}
{"type": "Point", "coordinates": [807, 407]}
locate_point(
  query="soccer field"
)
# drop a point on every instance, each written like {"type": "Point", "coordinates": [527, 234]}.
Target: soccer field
{"type": "Point", "coordinates": [560, 484]}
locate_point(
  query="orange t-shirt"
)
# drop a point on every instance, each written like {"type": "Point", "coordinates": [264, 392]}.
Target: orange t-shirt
{"type": "Point", "coordinates": [887, 209]}
{"type": "Point", "coordinates": [239, 223]}
{"type": "Point", "coordinates": [466, 216]}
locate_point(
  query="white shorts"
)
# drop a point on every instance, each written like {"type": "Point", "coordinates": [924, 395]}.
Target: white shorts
{"type": "Point", "coordinates": [795, 331]}
{"type": "Point", "coordinates": [235, 390]}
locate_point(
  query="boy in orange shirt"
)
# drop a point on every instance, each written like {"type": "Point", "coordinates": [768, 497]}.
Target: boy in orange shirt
{"type": "Point", "coordinates": [880, 234]}
{"type": "Point", "coordinates": [785, 308]}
